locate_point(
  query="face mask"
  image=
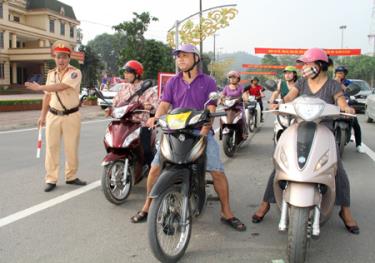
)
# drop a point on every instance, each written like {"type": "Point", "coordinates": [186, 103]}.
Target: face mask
{"type": "Point", "coordinates": [310, 72]}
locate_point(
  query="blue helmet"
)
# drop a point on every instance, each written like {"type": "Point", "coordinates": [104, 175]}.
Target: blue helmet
{"type": "Point", "coordinates": [341, 69]}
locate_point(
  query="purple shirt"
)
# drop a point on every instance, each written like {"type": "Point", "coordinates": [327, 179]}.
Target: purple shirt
{"type": "Point", "coordinates": [228, 92]}
{"type": "Point", "coordinates": [181, 94]}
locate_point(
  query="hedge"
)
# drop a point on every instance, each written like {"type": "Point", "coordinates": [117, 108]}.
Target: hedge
{"type": "Point", "coordinates": [20, 102]}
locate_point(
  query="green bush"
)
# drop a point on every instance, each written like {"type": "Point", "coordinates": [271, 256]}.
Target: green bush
{"type": "Point", "coordinates": [20, 102]}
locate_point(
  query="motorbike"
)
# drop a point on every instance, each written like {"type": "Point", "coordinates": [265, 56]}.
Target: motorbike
{"type": "Point", "coordinates": [124, 164]}
{"type": "Point", "coordinates": [179, 194]}
{"type": "Point", "coordinates": [252, 112]}
{"type": "Point", "coordinates": [232, 125]}
{"type": "Point", "coordinates": [305, 161]}
{"type": "Point", "coordinates": [343, 126]}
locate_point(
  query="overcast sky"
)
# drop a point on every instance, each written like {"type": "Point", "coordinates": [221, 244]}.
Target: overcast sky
{"type": "Point", "coordinates": [259, 23]}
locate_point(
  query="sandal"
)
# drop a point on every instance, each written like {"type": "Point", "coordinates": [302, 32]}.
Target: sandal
{"type": "Point", "coordinates": [140, 217]}
{"type": "Point", "coordinates": [235, 223]}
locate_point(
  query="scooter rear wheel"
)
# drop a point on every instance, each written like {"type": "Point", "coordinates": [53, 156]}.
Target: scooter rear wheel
{"type": "Point", "coordinates": [115, 189]}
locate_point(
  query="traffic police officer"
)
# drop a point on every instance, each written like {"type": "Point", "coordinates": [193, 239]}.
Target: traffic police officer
{"type": "Point", "coordinates": [61, 116]}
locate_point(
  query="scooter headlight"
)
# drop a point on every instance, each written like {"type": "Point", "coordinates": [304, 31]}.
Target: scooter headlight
{"type": "Point", "coordinates": [229, 103]}
{"type": "Point", "coordinates": [322, 161]}
{"type": "Point", "coordinates": [251, 98]}
{"type": "Point", "coordinates": [195, 119]}
{"type": "Point", "coordinates": [162, 123]}
{"type": "Point", "coordinates": [131, 137]}
{"type": "Point", "coordinates": [108, 138]}
{"type": "Point", "coordinates": [119, 112]}
{"type": "Point", "coordinates": [309, 111]}
{"type": "Point", "coordinates": [283, 158]}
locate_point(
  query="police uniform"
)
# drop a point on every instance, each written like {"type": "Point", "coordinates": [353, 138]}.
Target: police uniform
{"type": "Point", "coordinates": [63, 122]}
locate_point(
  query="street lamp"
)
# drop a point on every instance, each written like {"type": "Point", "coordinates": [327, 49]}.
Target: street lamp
{"type": "Point", "coordinates": [342, 28]}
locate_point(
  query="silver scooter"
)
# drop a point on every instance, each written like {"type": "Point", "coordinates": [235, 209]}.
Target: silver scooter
{"type": "Point", "coordinates": [305, 160]}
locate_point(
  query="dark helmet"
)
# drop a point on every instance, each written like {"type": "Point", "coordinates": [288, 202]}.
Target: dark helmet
{"type": "Point", "coordinates": [341, 69]}
{"type": "Point", "coordinates": [255, 78]}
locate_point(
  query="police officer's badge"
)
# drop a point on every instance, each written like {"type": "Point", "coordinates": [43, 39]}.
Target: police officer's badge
{"type": "Point", "coordinates": [74, 75]}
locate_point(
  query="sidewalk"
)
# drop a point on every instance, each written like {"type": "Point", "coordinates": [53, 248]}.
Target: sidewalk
{"type": "Point", "coordinates": [28, 119]}
{"type": "Point", "coordinates": [21, 96]}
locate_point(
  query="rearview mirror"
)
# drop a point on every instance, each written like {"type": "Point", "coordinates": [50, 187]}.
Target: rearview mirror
{"type": "Point", "coordinates": [99, 94]}
{"type": "Point", "coordinates": [146, 84]}
{"type": "Point", "coordinates": [352, 89]}
{"type": "Point", "coordinates": [270, 85]}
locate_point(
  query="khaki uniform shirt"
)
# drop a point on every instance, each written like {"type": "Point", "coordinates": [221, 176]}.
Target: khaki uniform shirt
{"type": "Point", "coordinates": [69, 97]}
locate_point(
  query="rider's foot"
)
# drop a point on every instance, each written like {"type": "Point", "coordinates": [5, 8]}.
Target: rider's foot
{"type": "Point", "coordinates": [234, 222]}
{"type": "Point", "coordinates": [349, 222]}
{"type": "Point", "coordinates": [139, 217]}
{"type": "Point", "coordinates": [261, 212]}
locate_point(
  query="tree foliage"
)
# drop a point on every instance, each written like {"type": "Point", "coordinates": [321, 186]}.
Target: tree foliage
{"type": "Point", "coordinates": [108, 48]}
{"type": "Point", "coordinates": [91, 67]}
{"type": "Point", "coordinates": [154, 55]}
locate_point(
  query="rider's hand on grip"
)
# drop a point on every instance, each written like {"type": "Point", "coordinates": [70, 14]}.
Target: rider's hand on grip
{"type": "Point", "coordinates": [151, 122]}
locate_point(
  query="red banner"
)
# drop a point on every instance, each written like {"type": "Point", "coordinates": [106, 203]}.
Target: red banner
{"type": "Point", "coordinates": [267, 66]}
{"type": "Point", "coordinates": [300, 51]}
{"type": "Point", "coordinates": [258, 73]}
{"type": "Point", "coordinates": [80, 56]}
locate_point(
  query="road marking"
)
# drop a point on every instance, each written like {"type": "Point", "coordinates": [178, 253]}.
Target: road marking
{"type": "Point", "coordinates": [47, 204]}
{"type": "Point", "coordinates": [34, 129]}
{"type": "Point", "coordinates": [369, 152]}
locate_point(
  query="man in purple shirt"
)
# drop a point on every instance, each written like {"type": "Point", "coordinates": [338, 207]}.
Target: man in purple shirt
{"type": "Point", "coordinates": [190, 89]}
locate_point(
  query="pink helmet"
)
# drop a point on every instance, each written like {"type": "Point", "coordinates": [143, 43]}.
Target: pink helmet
{"type": "Point", "coordinates": [234, 73]}
{"type": "Point", "coordinates": [312, 55]}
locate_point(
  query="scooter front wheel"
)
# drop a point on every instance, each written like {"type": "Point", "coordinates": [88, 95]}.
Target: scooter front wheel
{"type": "Point", "coordinates": [297, 234]}
{"type": "Point", "coordinates": [252, 122]}
{"type": "Point", "coordinates": [116, 188]}
{"type": "Point", "coordinates": [167, 234]}
{"type": "Point", "coordinates": [229, 144]}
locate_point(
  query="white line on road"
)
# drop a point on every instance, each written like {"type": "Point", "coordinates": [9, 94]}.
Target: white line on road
{"type": "Point", "coordinates": [369, 152]}
{"type": "Point", "coordinates": [47, 204]}
{"type": "Point", "coordinates": [34, 129]}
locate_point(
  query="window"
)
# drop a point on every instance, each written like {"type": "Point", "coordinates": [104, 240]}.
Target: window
{"type": "Point", "coordinates": [1, 39]}
{"type": "Point", "coordinates": [52, 26]}
{"type": "Point", "coordinates": [16, 19]}
{"type": "Point", "coordinates": [71, 31]}
{"type": "Point", "coordinates": [62, 29]}
{"type": "Point", "coordinates": [1, 10]}
{"type": "Point", "coordinates": [2, 75]}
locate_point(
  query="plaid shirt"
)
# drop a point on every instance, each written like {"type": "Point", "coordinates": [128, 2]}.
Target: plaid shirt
{"type": "Point", "coordinates": [149, 96]}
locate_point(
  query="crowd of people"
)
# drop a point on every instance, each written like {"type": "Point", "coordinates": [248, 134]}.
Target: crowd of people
{"type": "Point", "coordinates": [190, 88]}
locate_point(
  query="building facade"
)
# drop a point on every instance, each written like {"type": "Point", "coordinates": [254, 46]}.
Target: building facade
{"type": "Point", "coordinates": [28, 28]}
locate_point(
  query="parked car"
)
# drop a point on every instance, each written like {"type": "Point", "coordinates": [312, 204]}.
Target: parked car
{"type": "Point", "coordinates": [109, 94]}
{"type": "Point", "coordinates": [359, 100]}
{"type": "Point", "coordinates": [370, 107]}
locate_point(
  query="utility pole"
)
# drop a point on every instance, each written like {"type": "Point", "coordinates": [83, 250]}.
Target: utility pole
{"type": "Point", "coordinates": [200, 32]}
{"type": "Point", "coordinates": [343, 27]}
{"type": "Point", "coordinates": [371, 38]}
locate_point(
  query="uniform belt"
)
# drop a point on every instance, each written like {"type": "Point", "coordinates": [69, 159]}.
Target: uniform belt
{"type": "Point", "coordinates": [64, 112]}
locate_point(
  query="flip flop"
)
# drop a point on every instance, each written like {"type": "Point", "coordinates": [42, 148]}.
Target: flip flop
{"type": "Point", "coordinates": [140, 217]}
{"type": "Point", "coordinates": [235, 223]}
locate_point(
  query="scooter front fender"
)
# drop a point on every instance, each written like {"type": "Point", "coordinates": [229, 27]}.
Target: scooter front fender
{"type": "Point", "coordinates": [111, 157]}
{"type": "Point", "coordinates": [169, 177]}
{"type": "Point", "coordinates": [302, 194]}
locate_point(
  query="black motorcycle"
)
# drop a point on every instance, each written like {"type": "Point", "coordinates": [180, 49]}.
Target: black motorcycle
{"type": "Point", "coordinates": [343, 126]}
{"type": "Point", "coordinates": [180, 192]}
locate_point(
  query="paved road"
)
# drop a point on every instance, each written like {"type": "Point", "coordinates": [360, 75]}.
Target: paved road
{"type": "Point", "coordinates": [87, 228]}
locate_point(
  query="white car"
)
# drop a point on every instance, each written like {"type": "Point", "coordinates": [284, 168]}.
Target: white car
{"type": "Point", "coordinates": [109, 94]}
{"type": "Point", "coordinates": [370, 107]}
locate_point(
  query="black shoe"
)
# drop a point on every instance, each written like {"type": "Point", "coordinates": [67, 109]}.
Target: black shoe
{"type": "Point", "coordinates": [76, 182]}
{"type": "Point", "coordinates": [49, 187]}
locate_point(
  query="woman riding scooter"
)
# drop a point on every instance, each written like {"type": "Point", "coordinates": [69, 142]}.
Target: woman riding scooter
{"type": "Point", "coordinates": [235, 89]}
{"type": "Point", "coordinates": [256, 90]}
{"type": "Point", "coordinates": [316, 83]}
{"type": "Point", "coordinates": [283, 87]}
{"type": "Point", "coordinates": [133, 71]}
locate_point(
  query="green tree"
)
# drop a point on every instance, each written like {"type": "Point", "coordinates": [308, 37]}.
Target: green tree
{"type": "Point", "coordinates": [91, 67]}
{"type": "Point", "coordinates": [154, 55]}
{"type": "Point", "coordinates": [360, 67]}
{"type": "Point", "coordinates": [108, 48]}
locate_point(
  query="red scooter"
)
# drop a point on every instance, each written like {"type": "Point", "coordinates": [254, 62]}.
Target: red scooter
{"type": "Point", "coordinates": [125, 163]}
